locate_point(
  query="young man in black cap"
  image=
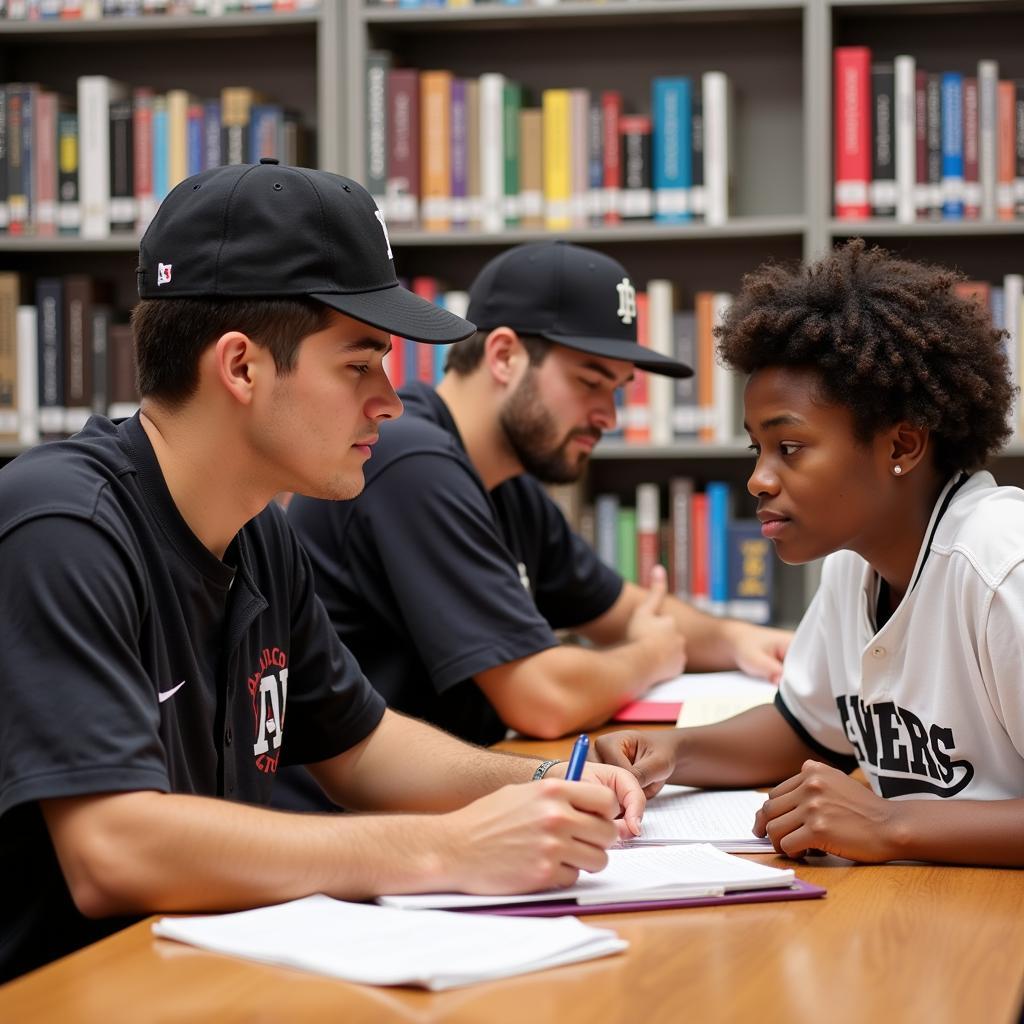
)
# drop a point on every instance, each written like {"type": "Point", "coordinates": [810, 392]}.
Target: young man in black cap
{"type": "Point", "coordinates": [163, 644]}
{"type": "Point", "coordinates": [449, 574]}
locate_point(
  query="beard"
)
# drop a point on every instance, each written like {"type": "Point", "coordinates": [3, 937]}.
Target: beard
{"type": "Point", "coordinates": [532, 434]}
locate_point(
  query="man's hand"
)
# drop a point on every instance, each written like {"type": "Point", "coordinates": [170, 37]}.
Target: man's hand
{"type": "Point", "coordinates": [651, 624]}
{"type": "Point", "coordinates": [820, 808]}
{"type": "Point", "coordinates": [622, 783]}
{"type": "Point", "coordinates": [649, 756]}
{"type": "Point", "coordinates": [527, 837]}
{"type": "Point", "coordinates": [757, 650]}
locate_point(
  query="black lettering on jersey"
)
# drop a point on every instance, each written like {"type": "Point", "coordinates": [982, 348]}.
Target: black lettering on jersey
{"type": "Point", "coordinates": [894, 740]}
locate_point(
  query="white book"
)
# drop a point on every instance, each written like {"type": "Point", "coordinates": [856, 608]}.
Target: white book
{"type": "Point", "coordinates": [724, 819]}
{"type": "Point", "coordinates": [906, 156]}
{"type": "Point", "coordinates": [492, 152]}
{"type": "Point", "coordinates": [383, 946]}
{"type": "Point", "coordinates": [633, 874]}
{"type": "Point", "coordinates": [660, 389]}
{"type": "Point", "coordinates": [717, 145]}
{"type": "Point", "coordinates": [724, 383]}
{"type": "Point", "coordinates": [95, 93]}
{"type": "Point", "coordinates": [28, 375]}
{"type": "Point", "coordinates": [1013, 300]}
{"type": "Point", "coordinates": [988, 82]}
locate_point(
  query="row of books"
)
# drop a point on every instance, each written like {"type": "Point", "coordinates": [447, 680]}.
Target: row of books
{"type": "Point", "coordinates": [1005, 303]}
{"type": "Point", "coordinates": [95, 10]}
{"type": "Point", "coordinates": [717, 562]}
{"type": "Point", "coordinates": [63, 356]}
{"type": "Point", "coordinates": [446, 152]}
{"type": "Point", "coordinates": [104, 167]}
{"type": "Point", "coordinates": [402, 4]}
{"type": "Point", "coordinates": [919, 145]}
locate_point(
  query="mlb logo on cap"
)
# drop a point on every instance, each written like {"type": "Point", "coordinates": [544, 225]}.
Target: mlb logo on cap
{"type": "Point", "coordinates": [163, 273]}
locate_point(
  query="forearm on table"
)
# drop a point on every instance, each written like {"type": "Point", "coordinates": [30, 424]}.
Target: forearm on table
{"type": "Point", "coordinates": [146, 852]}
{"type": "Point", "coordinates": [568, 688]}
{"type": "Point", "coordinates": [407, 765]}
{"type": "Point", "coordinates": [755, 748]}
{"type": "Point", "coordinates": [989, 832]}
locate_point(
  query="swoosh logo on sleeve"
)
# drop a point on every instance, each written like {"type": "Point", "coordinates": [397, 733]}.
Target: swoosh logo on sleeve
{"type": "Point", "coordinates": [163, 695]}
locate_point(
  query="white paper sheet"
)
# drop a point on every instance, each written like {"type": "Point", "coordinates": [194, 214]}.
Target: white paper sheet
{"type": "Point", "coordinates": [383, 946]}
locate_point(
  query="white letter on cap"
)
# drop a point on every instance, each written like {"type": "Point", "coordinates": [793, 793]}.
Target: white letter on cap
{"type": "Point", "coordinates": [627, 301]}
{"type": "Point", "coordinates": [384, 228]}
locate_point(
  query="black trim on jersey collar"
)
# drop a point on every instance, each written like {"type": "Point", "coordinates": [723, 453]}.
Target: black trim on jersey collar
{"type": "Point", "coordinates": [960, 481]}
{"type": "Point", "coordinates": [844, 762]}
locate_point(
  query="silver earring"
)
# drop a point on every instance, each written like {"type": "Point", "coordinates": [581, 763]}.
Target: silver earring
{"type": "Point", "coordinates": [897, 470]}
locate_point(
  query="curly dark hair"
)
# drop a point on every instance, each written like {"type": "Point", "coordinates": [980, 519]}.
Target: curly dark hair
{"type": "Point", "coordinates": [889, 339]}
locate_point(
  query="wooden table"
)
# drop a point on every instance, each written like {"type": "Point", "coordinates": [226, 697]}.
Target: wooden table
{"type": "Point", "coordinates": [892, 944]}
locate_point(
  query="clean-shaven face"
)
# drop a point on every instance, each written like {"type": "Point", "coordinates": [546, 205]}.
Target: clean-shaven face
{"type": "Point", "coordinates": [557, 412]}
{"type": "Point", "coordinates": [322, 419]}
{"type": "Point", "coordinates": [817, 485]}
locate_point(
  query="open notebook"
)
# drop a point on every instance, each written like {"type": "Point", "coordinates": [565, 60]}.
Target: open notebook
{"type": "Point", "coordinates": [381, 946]}
{"type": "Point", "coordinates": [633, 875]}
{"type": "Point", "coordinates": [722, 817]}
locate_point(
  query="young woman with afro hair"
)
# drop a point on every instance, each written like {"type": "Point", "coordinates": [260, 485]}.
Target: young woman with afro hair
{"type": "Point", "coordinates": [875, 396]}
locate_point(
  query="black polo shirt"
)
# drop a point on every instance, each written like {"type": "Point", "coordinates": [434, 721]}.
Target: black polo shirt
{"type": "Point", "coordinates": [429, 578]}
{"type": "Point", "coordinates": [136, 660]}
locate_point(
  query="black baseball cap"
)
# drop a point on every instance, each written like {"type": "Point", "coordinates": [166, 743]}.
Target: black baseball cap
{"type": "Point", "coordinates": [268, 231]}
{"type": "Point", "coordinates": [566, 293]}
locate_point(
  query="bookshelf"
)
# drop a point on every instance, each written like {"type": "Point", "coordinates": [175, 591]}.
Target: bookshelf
{"type": "Point", "coordinates": [777, 53]}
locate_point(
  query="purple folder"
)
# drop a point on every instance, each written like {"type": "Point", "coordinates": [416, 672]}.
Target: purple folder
{"type": "Point", "coordinates": [799, 890]}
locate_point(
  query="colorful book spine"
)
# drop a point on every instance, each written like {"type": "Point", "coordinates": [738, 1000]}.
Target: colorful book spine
{"type": "Point", "coordinates": [511, 156]}
{"type": "Point", "coordinates": [750, 572]}
{"type": "Point", "coordinates": [143, 146]}
{"type": "Point", "coordinates": [44, 164]}
{"type": "Point", "coordinates": [636, 198]}
{"type": "Point", "coordinates": [69, 214]}
{"type": "Point", "coordinates": [680, 497]}
{"type": "Point", "coordinates": [648, 526]}
{"type": "Point", "coordinates": [531, 168]}
{"type": "Point", "coordinates": [123, 213]}
{"type": "Point", "coordinates": [883, 194]}
{"type": "Point", "coordinates": [556, 106]}
{"type": "Point", "coordinates": [606, 529]}
{"type": "Point", "coordinates": [161, 151]}
{"type": "Point", "coordinates": [933, 108]}
{"type": "Point", "coordinates": [492, 151]}
{"type": "Point", "coordinates": [626, 544]}
{"type": "Point", "coordinates": [852, 123]}
{"type": "Point", "coordinates": [436, 149]}
{"type": "Point", "coordinates": [375, 118]}
{"type": "Point", "coordinates": [460, 154]}
{"type": "Point", "coordinates": [403, 187]}
{"type": "Point", "coordinates": [611, 154]}
{"type": "Point", "coordinates": [10, 287]}
{"type": "Point", "coordinates": [671, 148]}
{"type": "Point", "coordinates": [195, 142]}
{"type": "Point", "coordinates": [1006, 98]}
{"type": "Point", "coordinates": [972, 187]}
{"type": "Point", "coordinates": [718, 545]}
{"type": "Point", "coordinates": [952, 145]}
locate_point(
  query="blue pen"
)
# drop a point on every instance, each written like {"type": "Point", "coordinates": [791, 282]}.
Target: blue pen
{"type": "Point", "coordinates": [577, 758]}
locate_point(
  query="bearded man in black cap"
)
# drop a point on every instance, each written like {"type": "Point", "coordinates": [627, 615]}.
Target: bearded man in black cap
{"type": "Point", "coordinates": [450, 573]}
{"type": "Point", "coordinates": [164, 651]}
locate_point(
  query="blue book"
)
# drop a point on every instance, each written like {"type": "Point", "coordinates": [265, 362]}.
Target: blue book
{"type": "Point", "coordinates": [161, 155]}
{"type": "Point", "coordinates": [211, 135]}
{"type": "Point", "coordinates": [265, 120]}
{"type": "Point", "coordinates": [718, 544]}
{"type": "Point", "coordinates": [672, 148]}
{"type": "Point", "coordinates": [952, 145]}
{"type": "Point", "coordinates": [194, 140]}
{"type": "Point", "coordinates": [751, 561]}
{"type": "Point", "coordinates": [606, 529]}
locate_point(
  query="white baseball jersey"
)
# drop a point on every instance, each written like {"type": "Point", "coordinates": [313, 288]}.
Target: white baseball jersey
{"type": "Point", "coordinates": [932, 704]}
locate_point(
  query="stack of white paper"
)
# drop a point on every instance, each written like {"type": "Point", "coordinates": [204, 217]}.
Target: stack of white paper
{"type": "Point", "coordinates": [709, 697]}
{"type": "Point", "coordinates": [633, 875]}
{"type": "Point", "coordinates": [382, 946]}
{"type": "Point", "coordinates": [724, 818]}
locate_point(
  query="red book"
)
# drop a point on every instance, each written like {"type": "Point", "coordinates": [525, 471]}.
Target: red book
{"type": "Point", "coordinates": [700, 594]}
{"type": "Point", "coordinates": [852, 126]}
{"type": "Point", "coordinates": [1006, 150]}
{"type": "Point", "coordinates": [648, 531]}
{"type": "Point", "coordinates": [972, 189]}
{"type": "Point", "coordinates": [425, 288]}
{"type": "Point", "coordinates": [922, 204]}
{"type": "Point", "coordinates": [394, 361]}
{"type": "Point", "coordinates": [142, 155]}
{"type": "Point", "coordinates": [611, 114]}
{"type": "Point", "coordinates": [403, 120]}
